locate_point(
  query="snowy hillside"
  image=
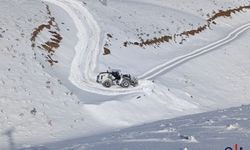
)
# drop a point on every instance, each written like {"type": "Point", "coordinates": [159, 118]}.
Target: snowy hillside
{"type": "Point", "coordinates": [190, 57]}
{"type": "Point", "coordinates": [213, 130]}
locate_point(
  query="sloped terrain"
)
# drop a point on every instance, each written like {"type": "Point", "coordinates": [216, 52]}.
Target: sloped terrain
{"type": "Point", "coordinates": [213, 130]}
{"type": "Point", "coordinates": [190, 57]}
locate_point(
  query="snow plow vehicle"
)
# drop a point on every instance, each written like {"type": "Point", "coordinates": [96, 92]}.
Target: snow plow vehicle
{"type": "Point", "coordinates": [115, 77]}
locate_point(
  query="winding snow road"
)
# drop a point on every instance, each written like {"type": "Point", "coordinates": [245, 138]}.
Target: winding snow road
{"type": "Point", "coordinates": [181, 59]}
{"type": "Point", "coordinates": [87, 50]}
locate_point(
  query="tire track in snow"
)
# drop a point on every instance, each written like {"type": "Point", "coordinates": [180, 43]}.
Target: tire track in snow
{"type": "Point", "coordinates": [181, 59]}
{"type": "Point", "coordinates": [87, 51]}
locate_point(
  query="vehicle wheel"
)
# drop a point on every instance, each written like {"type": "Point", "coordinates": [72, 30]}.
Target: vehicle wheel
{"type": "Point", "coordinates": [107, 83]}
{"type": "Point", "coordinates": [125, 83]}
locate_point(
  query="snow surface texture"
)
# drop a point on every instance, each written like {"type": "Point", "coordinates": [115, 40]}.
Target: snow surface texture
{"type": "Point", "coordinates": [213, 130]}
{"type": "Point", "coordinates": [176, 78]}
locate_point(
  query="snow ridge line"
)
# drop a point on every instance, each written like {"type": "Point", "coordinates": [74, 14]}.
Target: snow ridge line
{"type": "Point", "coordinates": [181, 59]}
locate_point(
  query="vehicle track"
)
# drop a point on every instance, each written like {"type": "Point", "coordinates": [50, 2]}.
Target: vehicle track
{"type": "Point", "coordinates": [87, 50]}
{"type": "Point", "coordinates": [156, 71]}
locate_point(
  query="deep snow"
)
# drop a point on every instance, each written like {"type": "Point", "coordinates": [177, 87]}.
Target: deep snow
{"type": "Point", "coordinates": [210, 131]}
{"type": "Point", "coordinates": [40, 103]}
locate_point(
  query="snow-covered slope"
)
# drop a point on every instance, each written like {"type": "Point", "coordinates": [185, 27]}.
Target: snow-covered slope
{"type": "Point", "coordinates": [214, 130]}
{"type": "Point", "coordinates": [190, 56]}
